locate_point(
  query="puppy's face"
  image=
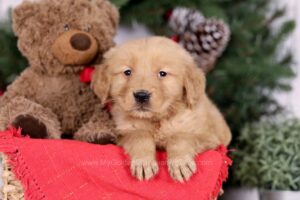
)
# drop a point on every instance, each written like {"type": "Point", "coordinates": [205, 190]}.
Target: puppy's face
{"type": "Point", "coordinates": [149, 78]}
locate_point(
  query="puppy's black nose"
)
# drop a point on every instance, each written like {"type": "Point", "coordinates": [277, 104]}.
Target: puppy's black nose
{"type": "Point", "coordinates": [142, 96]}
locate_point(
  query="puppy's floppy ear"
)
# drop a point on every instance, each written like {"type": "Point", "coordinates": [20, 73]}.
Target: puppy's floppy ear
{"type": "Point", "coordinates": [101, 82]}
{"type": "Point", "coordinates": [194, 84]}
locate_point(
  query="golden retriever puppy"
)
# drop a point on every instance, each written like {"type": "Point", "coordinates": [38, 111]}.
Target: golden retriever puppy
{"type": "Point", "coordinates": [159, 100]}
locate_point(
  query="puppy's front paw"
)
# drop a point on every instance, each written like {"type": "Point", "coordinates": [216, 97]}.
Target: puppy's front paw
{"type": "Point", "coordinates": [144, 168]}
{"type": "Point", "coordinates": [181, 168]}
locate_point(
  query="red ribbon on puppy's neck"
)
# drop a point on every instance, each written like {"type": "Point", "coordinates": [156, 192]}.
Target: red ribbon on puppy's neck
{"type": "Point", "coordinates": [108, 106]}
{"type": "Point", "coordinates": [86, 77]}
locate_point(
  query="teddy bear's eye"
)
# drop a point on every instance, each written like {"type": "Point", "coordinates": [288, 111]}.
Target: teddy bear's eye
{"type": "Point", "coordinates": [88, 28]}
{"type": "Point", "coordinates": [66, 27]}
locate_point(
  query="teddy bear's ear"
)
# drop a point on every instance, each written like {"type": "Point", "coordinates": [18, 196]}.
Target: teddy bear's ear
{"type": "Point", "coordinates": [110, 10]}
{"type": "Point", "coordinates": [22, 13]}
{"type": "Point", "coordinates": [114, 15]}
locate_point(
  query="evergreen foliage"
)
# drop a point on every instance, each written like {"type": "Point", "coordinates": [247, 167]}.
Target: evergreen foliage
{"type": "Point", "coordinates": [268, 156]}
{"type": "Point", "coordinates": [11, 60]}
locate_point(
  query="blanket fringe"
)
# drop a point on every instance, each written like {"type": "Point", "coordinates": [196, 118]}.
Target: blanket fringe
{"type": "Point", "coordinates": [223, 175]}
{"type": "Point", "coordinates": [15, 167]}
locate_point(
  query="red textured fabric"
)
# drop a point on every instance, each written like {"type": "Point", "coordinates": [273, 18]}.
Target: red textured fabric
{"type": "Point", "coordinates": [65, 169]}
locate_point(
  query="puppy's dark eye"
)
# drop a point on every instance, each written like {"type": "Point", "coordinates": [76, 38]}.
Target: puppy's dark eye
{"type": "Point", "coordinates": [127, 72]}
{"type": "Point", "coordinates": [162, 74]}
{"type": "Point", "coordinates": [66, 27]}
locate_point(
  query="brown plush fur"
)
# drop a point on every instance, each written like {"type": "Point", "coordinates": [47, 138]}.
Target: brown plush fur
{"type": "Point", "coordinates": [49, 90]}
{"type": "Point", "coordinates": [179, 117]}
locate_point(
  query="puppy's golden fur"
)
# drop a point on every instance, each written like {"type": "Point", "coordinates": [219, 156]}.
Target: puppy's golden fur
{"type": "Point", "coordinates": [179, 116]}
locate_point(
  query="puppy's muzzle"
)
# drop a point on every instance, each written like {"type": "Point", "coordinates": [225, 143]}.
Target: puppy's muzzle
{"type": "Point", "coordinates": [142, 96]}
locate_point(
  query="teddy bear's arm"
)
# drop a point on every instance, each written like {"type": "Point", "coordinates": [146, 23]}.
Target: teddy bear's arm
{"type": "Point", "coordinates": [31, 117]}
{"type": "Point", "coordinates": [19, 108]}
{"type": "Point", "coordinates": [23, 86]}
{"type": "Point", "coordinates": [99, 129]}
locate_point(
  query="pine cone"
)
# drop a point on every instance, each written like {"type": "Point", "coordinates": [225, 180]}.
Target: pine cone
{"type": "Point", "coordinates": [205, 39]}
{"type": "Point", "coordinates": [182, 19]}
{"type": "Point", "coordinates": [207, 43]}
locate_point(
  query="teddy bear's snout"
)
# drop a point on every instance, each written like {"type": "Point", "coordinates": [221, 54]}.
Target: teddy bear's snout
{"type": "Point", "coordinates": [80, 42]}
{"type": "Point", "coordinates": [75, 47]}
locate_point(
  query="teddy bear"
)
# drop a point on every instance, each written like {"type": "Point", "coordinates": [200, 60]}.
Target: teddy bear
{"type": "Point", "coordinates": [59, 39]}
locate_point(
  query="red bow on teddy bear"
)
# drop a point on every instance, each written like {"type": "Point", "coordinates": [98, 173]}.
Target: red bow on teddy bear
{"type": "Point", "coordinates": [86, 74]}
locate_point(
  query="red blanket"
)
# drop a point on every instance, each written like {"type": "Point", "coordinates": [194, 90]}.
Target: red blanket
{"type": "Point", "coordinates": [65, 169]}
